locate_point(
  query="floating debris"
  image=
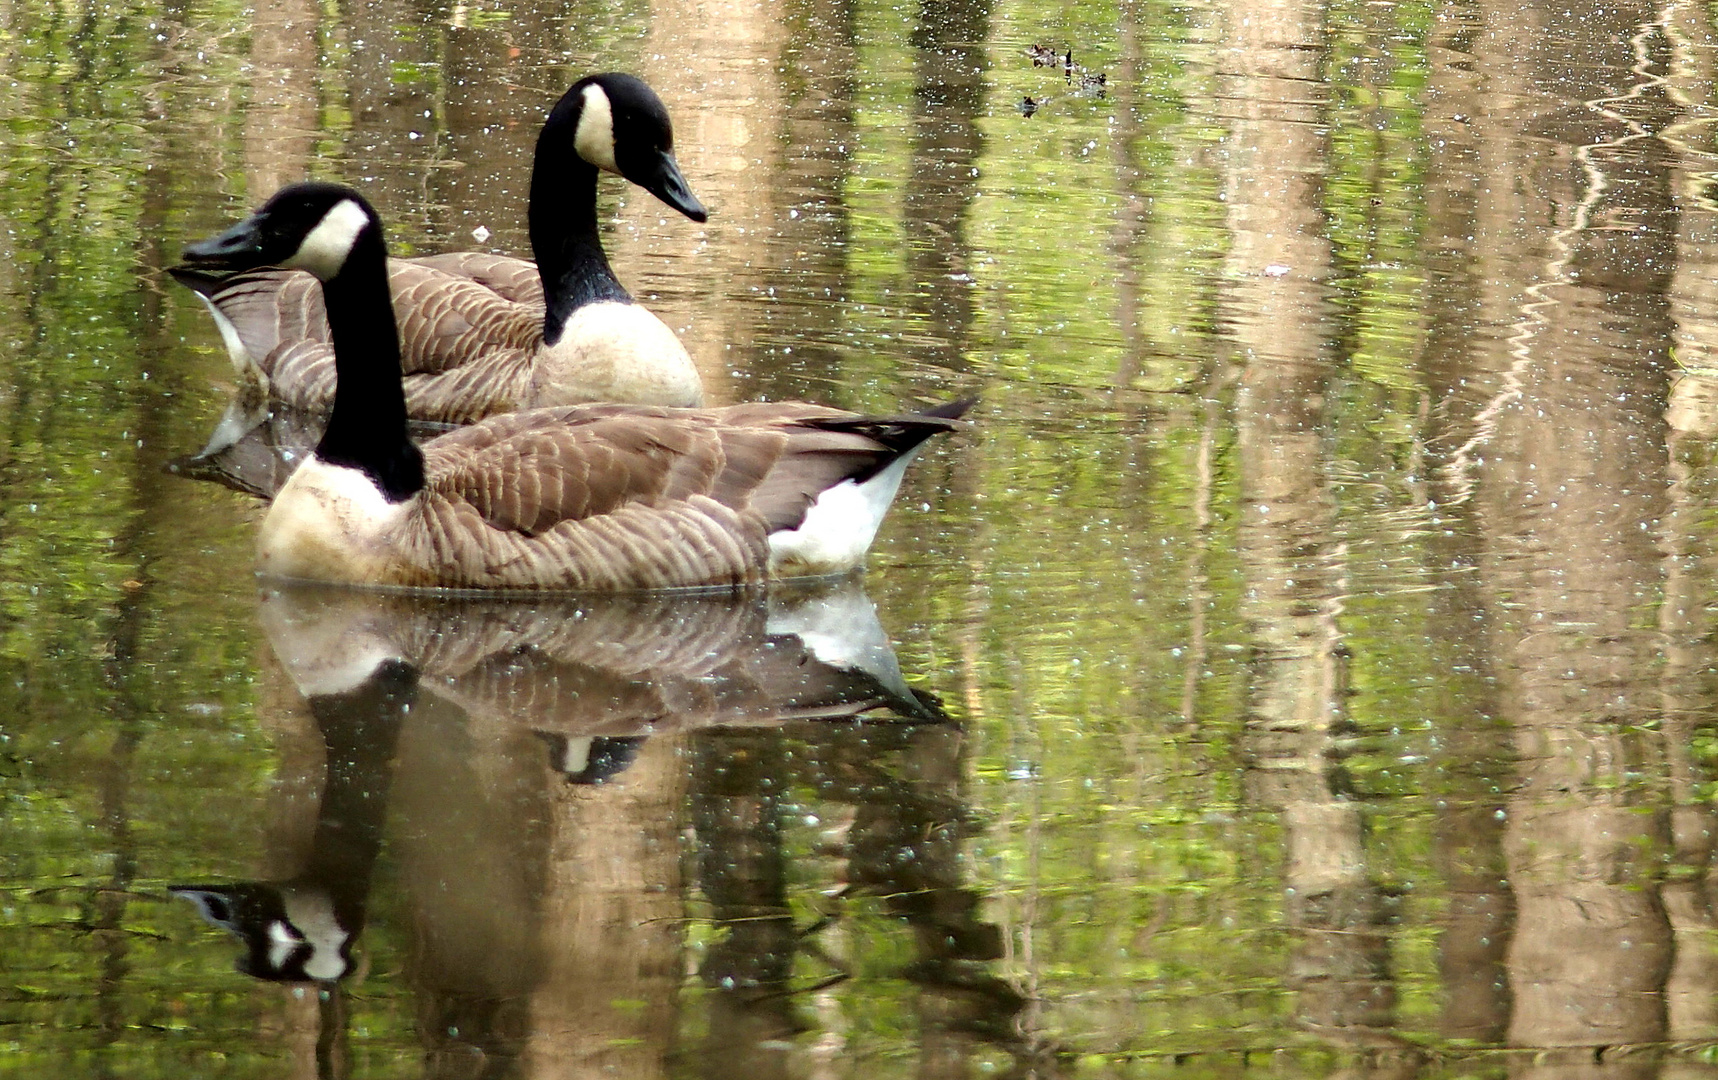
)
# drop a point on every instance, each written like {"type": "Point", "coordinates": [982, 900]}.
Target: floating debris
{"type": "Point", "coordinates": [1091, 84]}
{"type": "Point", "coordinates": [1046, 56]}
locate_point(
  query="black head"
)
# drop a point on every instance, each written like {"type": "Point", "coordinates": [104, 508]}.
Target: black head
{"type": "Point", "coordinates": [311, 226]}
{"type": "Point", "coordinates": [289, 934]}
{"type": "Point", "coordinates": [618, 124]}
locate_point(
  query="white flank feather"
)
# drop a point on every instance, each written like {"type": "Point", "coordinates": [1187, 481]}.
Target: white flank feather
{"type": "Point", "coordinates": [839, 527]}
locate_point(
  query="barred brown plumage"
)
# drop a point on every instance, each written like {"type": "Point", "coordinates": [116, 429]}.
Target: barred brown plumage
{"type": "Point", "coordinates": [484, 334]}
{"type": "Point", "coordinates": [593, 497]}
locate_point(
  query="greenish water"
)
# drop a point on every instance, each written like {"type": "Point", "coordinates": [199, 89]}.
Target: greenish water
{"type": "Point", "coordinates": [1319, 603]}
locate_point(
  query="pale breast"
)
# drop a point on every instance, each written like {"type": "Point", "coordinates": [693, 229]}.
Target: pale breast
{"type": "Point", "coordinates": [611, 351]}
{"type": "Point", "coordinates": [329, 523]}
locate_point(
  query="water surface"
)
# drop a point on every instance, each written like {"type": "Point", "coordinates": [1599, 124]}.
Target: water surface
{"type": "Point", "coordinates": [1304, 660]}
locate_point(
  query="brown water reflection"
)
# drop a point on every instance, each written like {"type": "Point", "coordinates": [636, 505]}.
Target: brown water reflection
{"type": "Point", "coordinates": [1322, 601]}
{"type": "Point", "coordinates": [525, 759]}
{"type": "Point", "coordinates": [1568, 502]}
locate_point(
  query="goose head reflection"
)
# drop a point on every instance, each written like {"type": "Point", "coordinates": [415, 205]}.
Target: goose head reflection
{"type": "Point", "coordinates": [257, 444]}
{"type": "Point", "coordinates": [290, 934]}
{"type": "Point", "coordinates": [302, 928]}
{"type": "Point", "coordinates": [587, 680]}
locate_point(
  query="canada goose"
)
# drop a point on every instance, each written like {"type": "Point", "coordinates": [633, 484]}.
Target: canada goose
{"type": "Point", "coordinates": [598, 497]}
{"type": "Point", "coordinates": [477, 337]}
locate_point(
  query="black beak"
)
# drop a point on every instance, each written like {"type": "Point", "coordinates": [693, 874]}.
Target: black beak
{"type": "Point", "coordinates": [661, 177]}
{"type": "Point", "coordinates": [239, 248]}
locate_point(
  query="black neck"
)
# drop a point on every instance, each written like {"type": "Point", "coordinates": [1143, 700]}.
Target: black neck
{"type": "Point", "coordinates": [563, 217]}
{"type": "Point", "coordinates": [367, 429]}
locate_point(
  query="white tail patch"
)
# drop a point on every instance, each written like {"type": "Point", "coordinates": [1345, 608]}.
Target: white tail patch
{"type": "Point", "coordinates": [839, 527]}
{"type": "Point", "coordinates": [594, 139]}
{"type": "Point", "coordinates": [324, 249]}
{"type": "Point", "coordinates": [243, 363]}
{"type": "Point", "coordinates": [244, 414]}
{"type": "Point", "coordinates": [249, 406]}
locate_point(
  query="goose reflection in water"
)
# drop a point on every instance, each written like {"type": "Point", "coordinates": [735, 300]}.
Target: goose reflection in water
{"type": "Point", "coordinates": [257, 444]}
{"type": "Point", "coordinates": [591, 678]}
{"type": "Point", "coordinates": [545, 775]}
{"type": "Point", "coordinates": [539, 769]}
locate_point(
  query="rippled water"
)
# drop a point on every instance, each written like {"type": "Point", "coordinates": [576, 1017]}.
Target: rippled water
{"type": "Point", "coordinates": [1304, 662]}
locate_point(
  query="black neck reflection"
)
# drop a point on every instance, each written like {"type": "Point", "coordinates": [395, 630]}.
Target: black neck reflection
{"type": "Point", "coordinates": [538, 802]}
{"type": "Point", "coordinates": [303, 928]}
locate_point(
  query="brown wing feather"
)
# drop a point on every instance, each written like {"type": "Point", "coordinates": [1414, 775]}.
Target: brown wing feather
{"type": "Point", "coordinates": [695, 541]}
{"type": "Point", "coordinates": [466, 347]}
{"type": "Point", "coordinates": [447, 320]}
{"type": "Point", "coordinates": [613, 497]}
{"type": "Point", "coordinates": [527, 472]}
{"type": "Point", "coordinates": [512, 279]}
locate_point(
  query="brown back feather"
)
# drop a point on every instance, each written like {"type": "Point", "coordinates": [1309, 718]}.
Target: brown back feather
{"type": "Point", "coordinates": [467, 339]}
{"type": "Point", "coordinates": [527, 472]}
{"type": "Point", "coordinates": [512, 279]}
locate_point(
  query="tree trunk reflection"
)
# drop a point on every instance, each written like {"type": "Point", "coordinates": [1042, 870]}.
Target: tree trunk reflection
{"type": "Point", "coordinates": [1278, 262]}
{"type": "Point", "coordinates": [1574, 469]}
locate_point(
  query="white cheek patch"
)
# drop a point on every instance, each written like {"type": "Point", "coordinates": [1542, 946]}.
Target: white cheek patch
{"type": "Point", "coordinates": [323, 251]}
{"type": "Point", "coordinates": [283, 941]}
{"type": "Point", "coordinates": [312, 915]}
{"type": "Point", "coordinates": [594, 140]}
